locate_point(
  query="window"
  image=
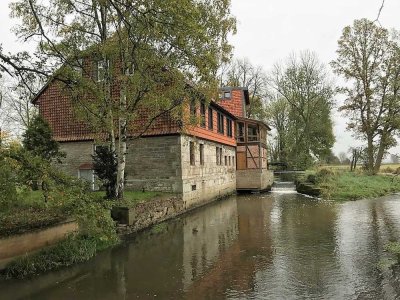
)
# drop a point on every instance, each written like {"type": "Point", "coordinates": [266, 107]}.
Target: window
{"type": "Point", "coordinates": [220, 156]}
{"type": "Point", "coordinates": [240, 132]}
{"type": "Point", "coordinates": [229, 127]}
{"type": "Point", "coordinates": [202, 115]}
{"type": "Point", "coordinates": [210, 119]}
{"type": "Point", "coordinates": [192, 157]}
{"type": "Point", "coordinates": [129, 69]}
{"type": "Point", "coordinates": [233, 161]}
{"type": "Point", "coordinates": [252, 133]}
{"type": "Point", "coordinates": [201, 154]}
{"type": "Point", "coordinates": [217, 155]}
{"type": "Point", "coordinates": [220, 123]}
{"type": "Point", "coordinates": [229, 160]}
{"type": "Point", "coordinates": [226, 160]}
{"type": "Point", "coordinates": [193, 111]}
{"type": "Point", "coordinates": [101, 69]}
{"type": "Point", "coordinates": [227, 95]}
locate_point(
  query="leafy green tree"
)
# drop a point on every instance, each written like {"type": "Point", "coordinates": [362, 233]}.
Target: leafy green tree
{"type": "Point", "coordinates": [145, 53]}
{"type": "Point", "coordinates": [39, 141]}
{"type": "Point", "coordinates": [277, 114]}
{"type": "Point", "coordinates": [301, 109]}
{"type": "Point", "coordinates": [369, 58]}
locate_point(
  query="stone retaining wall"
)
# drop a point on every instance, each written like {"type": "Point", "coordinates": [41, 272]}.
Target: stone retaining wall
{"type": "Point", "coordinates": [146, 214]}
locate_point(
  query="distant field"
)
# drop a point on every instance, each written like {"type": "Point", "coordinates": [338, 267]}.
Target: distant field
{"type": "Point", "coordinates": [385, 168]}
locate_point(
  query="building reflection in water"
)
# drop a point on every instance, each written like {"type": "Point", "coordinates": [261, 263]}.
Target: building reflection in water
{"type": "Point", "coordinates": [255, 246]}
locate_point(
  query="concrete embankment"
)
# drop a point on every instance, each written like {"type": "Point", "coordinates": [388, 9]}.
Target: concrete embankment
{"type": "Point", "coordinates": [15, 246]}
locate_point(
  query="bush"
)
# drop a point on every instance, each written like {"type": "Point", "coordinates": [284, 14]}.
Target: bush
{"type": "Point", "coordinates": [105, 167]}
{"type": "Point", "coordinates": [97, 231]}
{"type": "Point", "coordinates": [8, 186]}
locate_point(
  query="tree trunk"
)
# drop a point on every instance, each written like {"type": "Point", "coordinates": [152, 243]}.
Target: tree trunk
{"type": "Point", "coordinates": [122, 126]}
{"type": "Point", "coordinates": [352, 162]}
{"type": "Point", "coordinates": [121, 160]}
{"type": "Point", "coordinates": [381, 152]}
{"type": "Point", "coordinates": [370, 154]}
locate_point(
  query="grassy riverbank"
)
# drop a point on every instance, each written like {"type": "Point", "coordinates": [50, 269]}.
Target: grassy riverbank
{"type": "Point", "coordinates": [343, 185]}
{"type": "Point", "coordinates": [97, 231]}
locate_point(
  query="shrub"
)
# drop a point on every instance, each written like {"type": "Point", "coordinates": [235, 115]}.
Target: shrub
{"type": "Point", "coordinates": [8, 185]}
{"type": "Point", "coordinates": [105, 167]}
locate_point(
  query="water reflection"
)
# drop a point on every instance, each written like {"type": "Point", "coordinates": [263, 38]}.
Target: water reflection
{"type": "Point", "coordinates": [256, 246]}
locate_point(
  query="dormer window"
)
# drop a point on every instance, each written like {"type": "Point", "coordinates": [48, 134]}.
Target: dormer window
{"type": "Point", "coordinates": [227, 95]}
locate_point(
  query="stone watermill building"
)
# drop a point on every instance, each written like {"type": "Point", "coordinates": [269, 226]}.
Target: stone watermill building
{"type": "Point", "coordinates": [224, 153]}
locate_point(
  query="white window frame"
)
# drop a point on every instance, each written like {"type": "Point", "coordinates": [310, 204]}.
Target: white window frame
{"type": "Point", "coordinates": [101, 66]}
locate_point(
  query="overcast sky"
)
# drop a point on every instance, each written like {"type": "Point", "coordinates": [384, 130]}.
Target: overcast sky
{"type": "Point", "coordinates": [269, 30]}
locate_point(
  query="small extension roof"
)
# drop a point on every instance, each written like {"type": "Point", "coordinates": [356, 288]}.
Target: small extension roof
{"type": "Point", "coordinates": [255, 121]}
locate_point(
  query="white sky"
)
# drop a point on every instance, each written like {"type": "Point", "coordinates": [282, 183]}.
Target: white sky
{"type": "Point", "coordinates": [269, 30]}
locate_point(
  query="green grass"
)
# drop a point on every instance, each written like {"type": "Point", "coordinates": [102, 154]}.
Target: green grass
{"type": "Point", "coordinates": [74, 249]}
{"type": "Point", "coordinates": [355, 185]}
{"type": "Point", "coordinates": [30, 212]}
{"type": "Point", "coordinates": [131, 198]}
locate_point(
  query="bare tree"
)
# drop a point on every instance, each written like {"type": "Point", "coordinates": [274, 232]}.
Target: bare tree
{"type": "Point", "coordinates": [16, 108]}
{"type": "Point", "coordinates": [356, 154]}
{"type": "Point", "coordinates": [240, 72]}
{"type": "Point", "coordinates": [343, 157]}
{"type": "Point", "coordinates": [394, 158]}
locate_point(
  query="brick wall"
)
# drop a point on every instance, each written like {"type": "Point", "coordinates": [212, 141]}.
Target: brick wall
{"type": "Point", "coordinates": [203, 183]}
{"type": "Point", "coordinates": [56, 107]}
{"type": "Point", "coordinates": [235, 105]}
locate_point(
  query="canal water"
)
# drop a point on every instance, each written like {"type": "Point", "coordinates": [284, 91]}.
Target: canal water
{"type": "Point", "coordinates": [265, 246]}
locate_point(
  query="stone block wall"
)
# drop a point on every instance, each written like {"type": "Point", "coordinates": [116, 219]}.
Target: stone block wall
{"type": "Point", "coordinates": [254, 179]}
{"type": "Point", "coordinates": [146, 214]}
{"type": "Point", "coordinates": [153, 163]}
{"type": "Point", "coordinates": [267, 179]}
{"type": "Point", "coordinates": [77, 153]}
{"type": "Point", "coordinates": [204, 183]}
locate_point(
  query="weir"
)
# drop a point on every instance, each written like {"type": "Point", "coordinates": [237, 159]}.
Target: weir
{"type": "Point", "coordinates": [284, 182]}
{"type": "Point", "coordinates": [284, 187]}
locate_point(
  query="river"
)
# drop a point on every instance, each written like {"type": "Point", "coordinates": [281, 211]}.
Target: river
{"type": "Point", "coordinates": [265, 246]}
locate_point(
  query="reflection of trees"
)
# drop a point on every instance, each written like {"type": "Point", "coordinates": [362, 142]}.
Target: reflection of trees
{"type": "Point", "coordinates": [364, 227]}
{"type": "Point", "coordinates": [305, 241]}
{"type": "Point", "coordinates": [310, 249]}
{"type": "Point", "coordinates": [236, 266]}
